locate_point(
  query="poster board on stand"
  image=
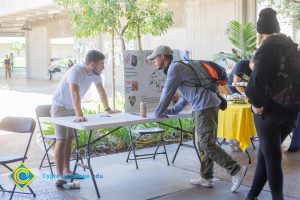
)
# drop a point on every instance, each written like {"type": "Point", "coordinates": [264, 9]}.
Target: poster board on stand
{"type": "Point", "coordinates": [143, 82]}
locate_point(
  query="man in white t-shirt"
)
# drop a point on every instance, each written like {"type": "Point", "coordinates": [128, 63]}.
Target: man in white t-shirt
{"type": "Point", "coordinates": [67, 102]}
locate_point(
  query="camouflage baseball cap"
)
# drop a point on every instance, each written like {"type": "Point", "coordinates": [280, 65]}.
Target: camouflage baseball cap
{"type": "Point", "coordinates": [160, 50]}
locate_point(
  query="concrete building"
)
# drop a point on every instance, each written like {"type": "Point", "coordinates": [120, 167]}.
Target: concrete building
{"type": "Point", "coordinates": [199, 27]}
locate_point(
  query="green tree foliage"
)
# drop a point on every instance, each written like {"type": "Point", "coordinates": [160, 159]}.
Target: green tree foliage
{"type": "Point", "coordinates": [127, 19]}
{"type": "Point", "coordinates": [287, 8]}
{"type": "Point", "coordinates": [243, 38]}
{"type": "Point", "coordinates": [17, 47]}
{"type": "Point", "coordinates": [146, 17]}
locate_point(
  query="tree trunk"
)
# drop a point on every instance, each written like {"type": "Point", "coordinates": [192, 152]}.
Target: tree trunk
{"type": "Point", "coordinates": [121, 35]}
{"type": "Point", "coordinates": [139, 39]}
{"type": "Point", "coordinates": [123, 43]}
{"type": "Point", "coordinates": [113, 70]}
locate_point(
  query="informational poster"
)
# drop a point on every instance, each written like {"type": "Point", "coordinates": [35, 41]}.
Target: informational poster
{"type": "Point", "coordinates": [143, 82]}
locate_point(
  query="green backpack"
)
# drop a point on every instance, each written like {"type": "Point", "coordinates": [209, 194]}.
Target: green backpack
{"type": "Point", "coordinates": [209, 74]}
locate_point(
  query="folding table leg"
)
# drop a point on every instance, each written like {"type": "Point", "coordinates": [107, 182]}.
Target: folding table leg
{"type": "Point", "coordinates": [129, 152]}
{"type": "Point", "coordinates": [179, 145]}
{"type": "Point", "coordinates": [89, 163]}
{"type": "Point", "coordinates": [163, 143]}
{"type": "Point", "coordinates": [186, 145]}
{"type": "Point", "coordinates": [249, 158]}
{"type": "Point", "coordinates": [77, 154]}
{"type": "Point", "coordinates": [12, 193]}
{"type": "Point", "coordinates": [88, 157]}
{"type": "Point", "coordinates": [251, 140]}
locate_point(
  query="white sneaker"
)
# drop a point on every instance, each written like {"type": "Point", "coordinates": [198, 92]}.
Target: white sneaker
{"type": "Point", "coordinates": [203, 182]}
{"type": "Point", "coordinates": [238, 178]}
{"type": "Point", "coordinates": [234, 145]}
{"type": "Point", "coordinates": [72, 185]}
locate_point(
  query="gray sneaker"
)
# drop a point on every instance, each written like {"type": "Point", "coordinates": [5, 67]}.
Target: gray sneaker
{"type": "Point", "coordinates": [203, 182]}
{"type": "Point", "coordinates": [238, 178]}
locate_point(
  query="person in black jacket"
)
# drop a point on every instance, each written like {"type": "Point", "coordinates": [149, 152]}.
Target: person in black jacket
{"type": "Point", "coordinates": [295, 142]}
{"type": "Point", "coordinates": [273, 122]}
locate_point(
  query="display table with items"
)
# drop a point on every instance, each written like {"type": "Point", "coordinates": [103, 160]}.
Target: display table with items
{"type": "Point", "coordinates": [236, 122]}
{"type": "Point", "coordinates": [116, 121]}
{"type": "Point", "coordinates": [240, 84]}
{"type": "Point", "coordinates": [236, 99]}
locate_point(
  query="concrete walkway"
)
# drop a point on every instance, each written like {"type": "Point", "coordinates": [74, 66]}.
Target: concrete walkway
{"type": "Point", "coordinates": [20, 96]}
{"type": "Point", "coordinates": [154, 179]}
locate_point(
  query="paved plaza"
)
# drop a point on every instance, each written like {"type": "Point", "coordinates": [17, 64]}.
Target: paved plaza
{"type": "Point", "coordinates": [120, 180]}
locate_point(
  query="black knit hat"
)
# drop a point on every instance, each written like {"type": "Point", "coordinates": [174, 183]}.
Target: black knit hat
{"type": "Point", "coordinates": [267, 22]}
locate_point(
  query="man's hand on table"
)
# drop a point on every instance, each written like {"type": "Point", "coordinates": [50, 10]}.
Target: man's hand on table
{"type": "Point", "coordinates": [80, 119]}
{"type": "Point", "coordinates": [163, 115]}
{"type": "Point", "coordinates": [168, 112]}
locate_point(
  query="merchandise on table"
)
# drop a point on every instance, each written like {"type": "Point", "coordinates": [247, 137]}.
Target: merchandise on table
{"type": "Point", "coordinates": [236, 98]}
{"type": "Point", "coordinates": [239, 84]}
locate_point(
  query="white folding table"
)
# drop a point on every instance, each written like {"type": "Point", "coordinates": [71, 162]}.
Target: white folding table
{"type": "Point", "coordinates": [118, 120]}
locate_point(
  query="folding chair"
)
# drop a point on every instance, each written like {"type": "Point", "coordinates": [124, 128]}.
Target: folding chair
{"type": "Point", "coordinates": [17, 125]}
{"type": "Point", "coordinates": [43, 111]}
{"type": "Point", "coordinates": [143, 132]}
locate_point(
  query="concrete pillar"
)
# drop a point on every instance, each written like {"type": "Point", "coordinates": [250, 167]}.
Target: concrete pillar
{"type": "Point", "coordinates": [252, 11]}
{"type": "Point", "coordinates": [247, 11]}
{"type": "Point", "coordinates": [27, 55]}
{"type": "Point", "coordinates": [38, 48]}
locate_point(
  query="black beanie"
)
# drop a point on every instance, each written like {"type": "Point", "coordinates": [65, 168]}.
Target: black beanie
{"type": "Point", "coordinates": [267, 22]}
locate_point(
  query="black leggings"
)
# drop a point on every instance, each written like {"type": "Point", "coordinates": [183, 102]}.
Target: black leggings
{"type": "Point", "coordinates": [272, 129]}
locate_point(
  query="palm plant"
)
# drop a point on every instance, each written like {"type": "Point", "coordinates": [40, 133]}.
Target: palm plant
{"type": "Point", "coordinates": [243, 38]}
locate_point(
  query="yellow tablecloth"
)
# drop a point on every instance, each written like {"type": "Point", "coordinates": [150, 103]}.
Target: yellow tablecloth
{"type": "Point", "coordinates": [236, 122]}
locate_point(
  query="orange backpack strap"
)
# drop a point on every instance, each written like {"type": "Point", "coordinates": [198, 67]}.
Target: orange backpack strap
{"type": "Point", "coordinates": [210, 70]}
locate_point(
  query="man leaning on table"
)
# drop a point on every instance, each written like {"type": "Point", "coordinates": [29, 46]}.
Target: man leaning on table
{"type": "Point", "coordinates": [67, 102]}
{"type": "Point", "coordinates": [205, 105]}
